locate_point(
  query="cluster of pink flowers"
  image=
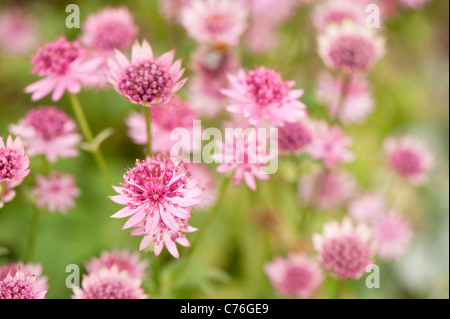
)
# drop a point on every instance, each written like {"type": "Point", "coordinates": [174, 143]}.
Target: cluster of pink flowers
{"type": "Point", "coordinates": [114, 275]}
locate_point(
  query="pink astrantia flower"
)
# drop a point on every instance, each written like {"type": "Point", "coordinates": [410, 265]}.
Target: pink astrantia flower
{"type": "Point", "coordinates": [326, 189]}
{"type": "Point", "coordinates": [13, 161]}
{"type": "Point", "coordinates": [344, 249]}
{"type": "Point", "coordinates": [410, 158]}
{"type": "Point", "coordinates": [145, 80]}
{"type": "Point", "coordinates": [244, 152]}
{"type": "Point", "coordinates": [49, 131]}
{"type": "Point", "coordinates": [124, 260]}
{"type": "Point", "coordinates": [215, 21]}
{"type": "Point", "coordinates": [109, 283]}
{"type": "Point", "coordinates": [158, 192]}
{"type": "Point", "coordinates": [350, 47]}
{"type": "Point", "coordinates": [414, 4]}
{"type": "Point", "coordinates": [357, 103]}
{"type": "Point", "coordinates": [109, 29]}
{"type": "Point", "coordinates": [165, 118]}
{"type": "Point", "coordinates": [206, 181]}
{"type": "Point", "coordinates": [63, 66]}
{"type": "Point", "coordinates": [330, 144]}
{"type": "Point", "coordinates": [392, 235]}
{"type": "Point", "coordinates": [18, 32]}
{"type": "Point", "coordinates": [163, 235]}
{"type": "Point", "coordinates": [367, 207]}
{"type": "Point", "coordinates": [294, 276]}
{"type": "Point", "coordinates": [18, 285]}
{"type": "Point", "coordinates": [28, 269]}
{"type": "Point", "coordinates": [294, 137]}
{"type": "Point", "coordinates": [338, 11]}
{"type": "Point", "coordinates": [263, 93]}
{"type": "Point", "coordinates": [172, 9]}
{"type": "Point", "coordinates": [56, 192]}
{"type": "Point", "coordinates": [8, 193]}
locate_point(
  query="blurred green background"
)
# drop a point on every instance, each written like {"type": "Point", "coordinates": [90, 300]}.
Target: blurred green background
{"type": "Point", "coordinates": [411, 87]}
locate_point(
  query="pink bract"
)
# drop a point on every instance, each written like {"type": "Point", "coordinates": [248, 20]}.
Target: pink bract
{"type": "Point", "coordinates": [18, 285]}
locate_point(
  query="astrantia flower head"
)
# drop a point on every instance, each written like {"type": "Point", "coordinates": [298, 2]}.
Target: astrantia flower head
{"type": "Point", "coordinates": [145, 80]}
{"type": "Point", "coordinates": [164, 235]}
{"type": "Point", "coordinates": [109, 29]}
{"type": "Point", "coordinates": [344, 249]}
{"type": "Point", "coordinates": [28, 269]}
{"type": "Point", "coordinates": [294, 137]}
{"type": "Point", "coordinates": [124, 260]}
{"type": "Point", "coordinates": [13, 161]}
{"type": "Point", "coordinates": [158, 192]}
{"type": "Point", "coordinates": [109, 283]}
{"type": "Point", "coordinates": [172, 9]}
{"type": "Point", "coordinates": [165, 118]}
{"type": "Point", "coordinates": [410, 158]}
{"type": "Point", "coordinates": [330, 144]}
{"type": "Point", "coordinates": [338, 11]}
{"type": "Point", "coordinates": [262, 93]}
{"type": "Point", "coordinates": [414, 4]}
{"type": "Point", "coordinates": [17, 285]}
{"type": "Point", "coordinates": [392, 235]}
{"type": "Point", "coordinates": [350, 47]}
{"type": "Point", "coordinates": [64, 66]}
{"type": "Point", "coordinates": [296, 275]}
{"type": "Point", "coordinates": [215, 21]}
{"type": "Point", "coordinates": [56, 192]}
{"type": "Point", "coordinates": [368, 207]}
{"type": "Point", "coordinates": [18, 32]}
{"type": "Point", "coordinates": [326, 189]}
{"type": "Point", "coordinates": [49, 131]}
{"type": "Point", "coordinates": [357, 103]}
{"type": "Point", "coordinates": [244, 152]}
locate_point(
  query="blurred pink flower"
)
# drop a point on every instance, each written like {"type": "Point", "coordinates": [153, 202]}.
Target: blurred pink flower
{"type": "Point", "coordinates": [109, 283]}
{"type": "Point", "coordinates": [410, 158]}
{"type": "Point", "coordinates": [354, 106]}
{"type": "Point", "coordinates": [294, 276]}
{"type": "Point", "coordinates": [158, 192]}
{"type": "Point", "coordinates": [48, 131]}
{"type": "Point", "coordinates": [295, 137]}
{"type": "Point", "coordinates": [392, 236]}
{"type": "Point", "coordinates": [326, 189]}
{"type": "Point", "coordinates": [367, 207]}
{"type": "Point", "coordinates": [350, 47]}
{"type": "Point", "coordinates": [28, 269]}
{"type": "Point", "coordinates": [245, 153]}
{"type": "Point", "coordinates": [206, 181]}
{"type": "Point", "coordinates": [262, 93]}
{"type": "Point", "coordinates": [215, 21]}
{"type": "Point", "coordinates": [172, 9]}
{"type": "Point", "coordinates": [18, 285]}
{"type": "Point", "coordinates": [261, 37]}
{"type": "Point", "coordinates": [145, 80]}
{"type": "Point", "coordinates": [163, 235]}
{"type": "Point", "coordinates": [63, 66]}
{"type": "Point", "coordinates": [337, 11]}
{"type": "Point", "coordinates": [124, 261]}
{"type": "Point", "coordinates": [344, 249]}
{"type": "Point", "coordinates": [413, 4]}
{"type": "Point", "coordinates": [13, 161]}
{"type": "Point", "coordinates": [18, 32]}
{"type": "Point", "coordinates": [7, 192]}
{"type": "Point", "coordinates": [109, 29]}
{"type": "Point", "coordinates": [329, 144]}
{"type": "Point", "coordinates": [165, 118]}
{"type": "Point", "coordinates": [56, 192]}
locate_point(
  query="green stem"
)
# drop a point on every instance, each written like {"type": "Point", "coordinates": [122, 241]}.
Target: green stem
{"type": "Point", "coordinates": [87, 133]}
{"type": "Point", "coordinates": [148, 121]}
{"type": "Point", "coordinates": [210, 217]}
{"type": "Point", "coordinates": [32, 235]}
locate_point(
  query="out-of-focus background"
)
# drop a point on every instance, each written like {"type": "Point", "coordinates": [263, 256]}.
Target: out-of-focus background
{"type": "Point", "coordinates": [411, 88]}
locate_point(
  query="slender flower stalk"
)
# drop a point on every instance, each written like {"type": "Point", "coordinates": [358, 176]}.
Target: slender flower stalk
{"type": "Point", "coordinates": [148, 121]}
{"type": "Point", "coordinates": [32, 235]}
{"type": "Point", "coordinates": [87, 133]}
